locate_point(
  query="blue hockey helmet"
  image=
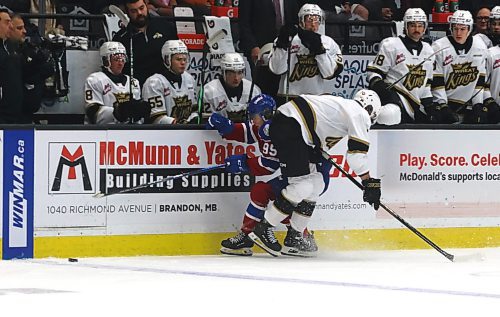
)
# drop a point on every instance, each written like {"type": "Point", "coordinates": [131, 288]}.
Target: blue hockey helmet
{"type": "Point", "coordinates": [262, 105]}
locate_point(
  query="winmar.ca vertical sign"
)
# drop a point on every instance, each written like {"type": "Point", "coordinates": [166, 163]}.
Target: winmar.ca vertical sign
{"type": "Point", "coordinates": [18, 161]}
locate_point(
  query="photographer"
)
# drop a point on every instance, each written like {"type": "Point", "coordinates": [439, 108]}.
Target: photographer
{"type": "Point", "coordinates": [35, 64]}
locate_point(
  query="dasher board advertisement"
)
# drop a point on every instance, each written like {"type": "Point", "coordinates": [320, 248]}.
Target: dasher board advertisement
{"type": "Point", "coordinates": [17, 194]}
{"type": "Point", "coordinates": [73, 166]}
{"type": "Point", "coordinates": [443, 177]}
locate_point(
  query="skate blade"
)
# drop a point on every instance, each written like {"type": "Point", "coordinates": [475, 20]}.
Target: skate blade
{"type": "Point", "coordinates": [294, 252]}
{"type": "Point", "coordinates": [261, 245]}
{"type": "Point", "coordinates": [239, 252]}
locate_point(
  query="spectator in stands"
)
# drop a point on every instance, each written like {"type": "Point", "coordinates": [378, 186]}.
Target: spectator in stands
{"type": "Point", "coordinates": [110, 95]}
{"type": "Point", "coordinates": [148, 36]}
{"type": "Point", "coordinates": [36, 67]}
{"type": "Point", "coordinates": [306, 60]}
{"type": "Point", "coordinates": [229, 95]}
{"type": "Point", "coordinates": [11, 82]}
{"type": "Point", "coordinates": [259, 25]}
{"type": "Point", "coordinates": [170, 92]}
{"type": "Point", "coordinates": [482, 18]}
{"type": "Point", "coordinates": [482, 26]}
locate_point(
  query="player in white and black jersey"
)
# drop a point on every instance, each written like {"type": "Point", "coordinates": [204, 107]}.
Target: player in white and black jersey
{"type": "Point", "coordinates": [314, 59]}
{"type": "Point", "coordinates": [170, 92]}
{"type": "Point", "coordinates": [492, 88]}
{"type": "Point", "coordinates": [459, 72]}
{"type": "Point", "coordinates": [110, 95]}
{"type": "Point", "coordinates": [229, 95]}
{"type": "Point", "coordinates": [300, 131]}
{"type": "Point", "coordinates": [406, 57]}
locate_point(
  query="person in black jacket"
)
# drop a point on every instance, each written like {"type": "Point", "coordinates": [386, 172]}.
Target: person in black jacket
{"type": "Point", "coordinates": [11, 84]}
{"type": "Point", "coordinates": [148, 36]}
{"type": "Point", "coordinates": [258, 26]}
{"type": "Point", "coordinates": [36, 64]}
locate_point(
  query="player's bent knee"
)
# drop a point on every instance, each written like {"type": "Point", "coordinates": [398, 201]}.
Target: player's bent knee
{"type": "Point", "coordinates": [284, 205]}
{"type": "Point", "coordinates": [261, 193]}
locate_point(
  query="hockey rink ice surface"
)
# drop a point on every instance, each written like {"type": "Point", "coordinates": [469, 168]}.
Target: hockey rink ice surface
{"type": "Point", "coordinates": [356, 283]}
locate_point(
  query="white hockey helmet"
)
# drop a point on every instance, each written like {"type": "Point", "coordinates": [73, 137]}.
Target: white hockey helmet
{"type": "Point", "coordinates": [370, 102]}
{"type": "Point", "coordinates": [232, 61]}
{"type": "Point", "coordinates": [310, 9]}
{"type": "Point", "coordinates": [170, 48]}
{"type": "Point", "coordinates": [462, 17]}
{"type": "Point", "coordinates": [414, 15]}
{"type": "Point", "coordinates": [109, 49]}
{"type": "Point", "coordinates": [495, 13]}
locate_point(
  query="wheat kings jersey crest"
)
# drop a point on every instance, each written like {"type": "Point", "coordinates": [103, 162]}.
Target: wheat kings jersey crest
{"type": "Point", "coordinates": [492, 88]}
{"type": "Point", "coordinates": [215, 99]}
{"type": "Point", "coordinates": [394, 60]}
{"type": "Point", "coordinates": [170, 102]}
{"type": "Point", "coordinates": [459, 75]}
{"type": "Point", "coordinates": [333, 118]}
{"type": "Point", "coordinates": [100, 89]}
{"type": "Point", "coordinates": [309, 74]}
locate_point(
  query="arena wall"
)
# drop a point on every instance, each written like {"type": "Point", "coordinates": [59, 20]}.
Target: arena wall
{"type": "Point", "coordinates": [444, 182]}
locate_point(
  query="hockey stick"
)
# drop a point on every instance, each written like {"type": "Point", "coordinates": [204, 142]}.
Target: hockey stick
{"type": "Point", "coordinates": [449, 256]}
{"type": "Point", "coordinates": [208, 44]}
{"type": "Point", "coordinates": [415, 67]}
{"type": "Point", "coordinates": [288, 58]}
{"type": "Point", "coordinates": [120, 14]}
{"type": "Point", "coordinates": [163, 180]}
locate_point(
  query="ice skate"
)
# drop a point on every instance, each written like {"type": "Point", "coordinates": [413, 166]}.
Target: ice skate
{"type": "Point", "coordinates": [263, 236]}
{"type": "Point", "coordinates": [298, 244]}
{"type": "Point", "coordinates": [240, 244]}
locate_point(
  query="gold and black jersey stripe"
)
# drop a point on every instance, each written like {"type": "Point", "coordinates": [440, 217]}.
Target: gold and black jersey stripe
{"type": "Point", "coordinates": [308, 118]}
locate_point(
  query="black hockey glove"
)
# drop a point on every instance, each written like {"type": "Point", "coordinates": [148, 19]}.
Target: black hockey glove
{"type": "Point", "coordinates": [493, 110]}
{"type": "Point", "coordinates": [447, 115]}
{"type": "Point", "coordinates": [312, 41]}
{"type": "Point", "coordinates": [433, 113]}
{"type": "Point", "coordinates": [287, 32]}
{"type": "Point", "coordinates": [122, 112]}
{"type": "Point", "coordinates": [138, 109]}
{"type": "Point", "coordinates": [382, 89]}
{"type": "Point", "coordinates": [372, 192]}
{"type": "Point", "coordinates": [479, 113]}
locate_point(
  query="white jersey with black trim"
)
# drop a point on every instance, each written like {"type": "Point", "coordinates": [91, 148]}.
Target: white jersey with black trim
{"type": "Point", "coordinates": [100, 89]}
{"type": "Point", "coordinates": [169, 102]}
{"type": "Point", "coordinates": [215, 99]}
{"type": "Point", "coordinates": [459, 75]}
{"type": "Point", "coordinates": [335, 118]}
{"type": "Point", "coordinates": [483, 37]}
{"type": "Point", "coordinates": [394, 60]}
{"type": "Point", "coordinates": [493, 74]}
{"type": "Point", "coordinates": [309, 74]}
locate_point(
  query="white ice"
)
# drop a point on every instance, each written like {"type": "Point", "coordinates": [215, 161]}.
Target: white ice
{"type": "Point", "coordinates": [358, 283]}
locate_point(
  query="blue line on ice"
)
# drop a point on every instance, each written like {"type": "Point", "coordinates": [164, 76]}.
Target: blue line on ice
{"type": "Point", "coordinates": [275, 279]}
